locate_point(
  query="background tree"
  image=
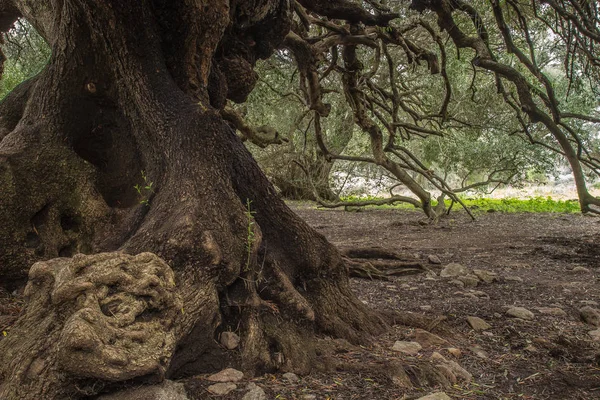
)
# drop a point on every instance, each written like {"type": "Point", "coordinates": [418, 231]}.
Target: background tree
{"type": "Point", "coordinates": [470, 137]}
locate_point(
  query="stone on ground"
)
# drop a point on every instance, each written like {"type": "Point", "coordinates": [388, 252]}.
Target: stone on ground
{"type": "Point", "coordinates": [520, 312]}
{"type": "Point", "coordinates": [556, 311]}
{"type": "Point", "coordinates": [428, 339]}
{"type": "Point", "coordinates": [454, 351]}
{"type": "Point", "coordinates": [595, 335]}
{"type": "Point", "coordinates": [255, 392]}
{"type": "Point", "coordinates": [223, 388]}
{"type": "Point", "coordinates": [453, 270]}
{"type": "Point", "coordinates": [469, 280]}
{"type": "Point", "coordinates": [167, 390]}
{"type": "Point", "coordinates": [230, 340]}
{"type": "Point", "coordinates": [485, 276]}
{"type": "Point", "coordinates": [291, 377]}
{"type": "Point", "coordinates": [410, 348]}
{"type": "Point", "coordinates": [227, 375]}
{"type": "Point", "coordinates": [433, 259]}
{"type": "Point", "coordinates": [590, 315]}
{"type": "Point", "coordinates": [478, 324]}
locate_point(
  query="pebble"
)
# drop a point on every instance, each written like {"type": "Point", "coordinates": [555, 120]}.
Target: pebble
{"type": "Point", "coordinates": [453, 367]}
{"type": "Point", "coordinates": [411, 348]}
{"type": "Point", "coordinates": [227, 375]}
{"type": "Point", "coordinates": [595, 335]}
{"type": "Point", "coordinates": [454, 270]}
{"type": "Point", "coordinates": [589, 302]}
{"type": "Point", "coordinates": [221, 389]}
{"type": "Point", "coordinates": [230, 340]}
{"type": "Point", "coordinates": [485, 276]}
{"type": "Point", "coordinates": [590, 315]}
{"type": "Point", "coordinates": [454, 351]}
{"type": "Point", "coordinates": [428, 339]}
{"type": "Point", "coordinates": [291, 377]}
{"type": "Point", "coordinates": [556, 311]}
{"type": "Point", "coordinates": [255, 392]}
{"type": "Point", "coordinates": [469, 280]}
{"type": "Point", "coordinates": [478, 324]}
{"type": "Point", "coordinates": [479, 352]}
{"type": "Point", "coordinates": [520, 312]}
{"type": "Point", "coordinates": [433, 259]}
{"type": "Point", "coordinates": [458, 283]}
{"type": "Point", "coordinates": [425, 308]}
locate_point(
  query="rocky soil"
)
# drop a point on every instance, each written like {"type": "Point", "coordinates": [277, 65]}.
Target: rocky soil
{"type": "Point", "coordinates": [512, 304]}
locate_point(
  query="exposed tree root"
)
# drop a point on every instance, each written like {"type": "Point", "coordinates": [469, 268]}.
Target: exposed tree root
{"type": "Point", "coordinates": [379, 263]}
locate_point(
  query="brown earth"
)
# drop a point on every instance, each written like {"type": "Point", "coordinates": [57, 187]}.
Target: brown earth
{"type": "Point", "coordinates": [550, 357]}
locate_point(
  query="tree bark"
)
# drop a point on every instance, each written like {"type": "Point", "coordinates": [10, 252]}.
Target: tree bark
{"type": "Point", "coordinates": [132, 96]}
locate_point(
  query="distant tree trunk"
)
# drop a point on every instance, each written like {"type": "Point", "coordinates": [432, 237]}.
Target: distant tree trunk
{"type": "Point", "coordinates": [294, 183]}
{"type": "Point", "coordinates": [137, 86]}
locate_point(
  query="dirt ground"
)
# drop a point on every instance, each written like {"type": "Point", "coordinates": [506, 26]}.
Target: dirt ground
{"type": "Point", "coordinates": [541, 260]}
{"type": "Point", "coordinates": [550, 357]}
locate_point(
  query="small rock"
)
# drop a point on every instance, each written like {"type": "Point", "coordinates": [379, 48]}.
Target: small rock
{"type": "Point", "coordinates": [309, 397]}
{"type": "Point", "coordinates": [479, 293]}
{"type": "Point", "coordinates": [454, 351]}
{"type": "Point", "coordinates": [230, 340]}
{"type": "Point", "coordinates": [255, 392]}
{"type": "Point", "coordinates": [512, 278]}
{"type": "Point", "coordinates": [425, 308]}
{"type": "Point", "coordinates": [430, 275]}
{"type": "Point", "coordinates": [479, 352]}
{"type": "Point", "coordinates": [411, 348]}
{"type": "Point", "coordinates": [227, 375]}
{"type": "Point", "coordinates": [520, 312]}
{"type": "Point", "coordinates": [453, 270]}
{"type": "Point", "coordinates": [428, 339]}
{"type": "Point", "coordinates": [556, 311]}
{"type": "Point", "coordinates": [589, 302]}
{"type": "Point", "coordinates": [167, 390]}
{"type": "Point", "coordinates": [436, 396]}
{"type": "Point", "coordinates": [590, 315]}
{"type": "Point", "coordinates": [485, 276]}
{"type": "Point", "coordinates": [580, 270]}
{"type": "Point", "coordinates": [458, 283]}
{"type": "Point", "coordinates": [221, 389]}
{"type": "Point", "coordinates": [469, 280]}
{"type": "Point", "coordinates": [291, 377]}
{"type": "Point", "coordinates": [595, 335]}
{"type": "Point", "coordinates": [397, 374]}
{"type": "Point", "coordinates": [433, 259]}
{"type": "Point", "coordinates": [453, 367]}
{"type": "Point", "coordinates": [478, 324]}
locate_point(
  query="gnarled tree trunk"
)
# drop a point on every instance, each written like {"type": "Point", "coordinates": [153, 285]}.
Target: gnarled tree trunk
{"type": "Point", "coordinates": [137, 86]}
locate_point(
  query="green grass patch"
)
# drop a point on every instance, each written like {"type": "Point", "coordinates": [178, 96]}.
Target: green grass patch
{"type": "Point", "coordinates": [511, 205]}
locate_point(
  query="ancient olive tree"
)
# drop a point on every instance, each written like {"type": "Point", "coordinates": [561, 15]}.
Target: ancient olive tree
{"type": "Point", "coordinates": [132, 97]}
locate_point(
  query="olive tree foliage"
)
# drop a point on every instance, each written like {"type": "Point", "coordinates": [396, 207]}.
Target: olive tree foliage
{"type": "Point", "coordinates": [450, 96]}
{"type": "Point", "coordinates": [26, 54]}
